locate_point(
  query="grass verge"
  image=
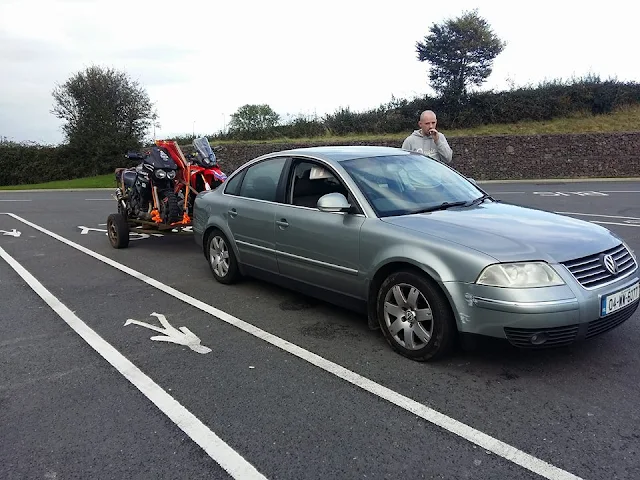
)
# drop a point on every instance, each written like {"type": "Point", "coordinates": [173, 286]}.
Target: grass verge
{"type": "Point", "coordinates": [101, 181]}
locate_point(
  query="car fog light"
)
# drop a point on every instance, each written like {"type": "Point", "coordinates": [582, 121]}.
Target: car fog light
{"type": "Point", "coordinates": [539, 338]}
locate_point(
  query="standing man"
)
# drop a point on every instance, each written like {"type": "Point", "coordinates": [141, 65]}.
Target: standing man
{"type": "Point", "coordinates": [427, 140]}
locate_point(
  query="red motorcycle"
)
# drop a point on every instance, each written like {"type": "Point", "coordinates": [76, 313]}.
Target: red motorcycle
{"type": "Point", "coordinates": [201, 173]}
{"type": "Point", "coordinates": [208, 175]}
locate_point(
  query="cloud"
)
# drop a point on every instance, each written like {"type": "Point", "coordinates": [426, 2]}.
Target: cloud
{"type": "Point", "coordinates": [200, 61]}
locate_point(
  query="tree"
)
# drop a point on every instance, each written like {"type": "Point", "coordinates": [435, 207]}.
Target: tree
{"type": "Point", "coordinates": [461, 52]}
{"type": "Point", "coordinates": [250, 118]}
{"type": "Point", "coordinates": [105, 112]}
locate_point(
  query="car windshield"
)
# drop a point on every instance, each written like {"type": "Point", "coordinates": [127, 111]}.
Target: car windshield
{"type": "Point", "coordinates": [405, 184]}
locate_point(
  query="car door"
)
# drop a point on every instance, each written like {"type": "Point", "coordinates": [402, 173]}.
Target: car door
{"type": "Point", "coordinates": [251, 213]}
{"type": "Point", "coordinates": [315, 247]}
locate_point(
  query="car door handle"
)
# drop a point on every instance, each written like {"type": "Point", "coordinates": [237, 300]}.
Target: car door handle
{"type": "Point", "coordinates": [233, 212]}
{"type": "Point", "coordinates": [282, 223]}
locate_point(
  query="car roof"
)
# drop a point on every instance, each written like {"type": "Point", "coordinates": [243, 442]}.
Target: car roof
{"type": "Point", "coordinates": [340, 153]}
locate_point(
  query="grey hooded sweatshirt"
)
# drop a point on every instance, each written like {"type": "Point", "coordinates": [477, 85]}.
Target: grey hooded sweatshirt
{"type": "Point", "coordinates": [419, 142]}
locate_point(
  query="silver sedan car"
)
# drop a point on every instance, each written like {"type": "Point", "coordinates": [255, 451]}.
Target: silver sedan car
{"type": "Point", "coordinates": [418, 248]}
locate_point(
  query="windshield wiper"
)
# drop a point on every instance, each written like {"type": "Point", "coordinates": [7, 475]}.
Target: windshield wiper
{"type": "Point", "coordinates": [442, 206]}
{"type": "Point", "coordinates": [479, 200]}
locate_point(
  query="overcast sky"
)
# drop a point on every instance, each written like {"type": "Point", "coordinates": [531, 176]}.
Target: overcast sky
{"type": "Point", "coordinates": [201, 60]}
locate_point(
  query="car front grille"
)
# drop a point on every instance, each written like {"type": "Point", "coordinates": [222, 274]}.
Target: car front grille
{"type": "Point", "coordinates": [604, 324]}
{"type": "Point", "coordinates": [591, 273]}
{"type": "Point", "coordinates": [556, 336]}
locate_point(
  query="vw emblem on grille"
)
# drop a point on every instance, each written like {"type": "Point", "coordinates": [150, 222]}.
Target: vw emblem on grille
{"type": "Point", "coordinates": [610, 264]}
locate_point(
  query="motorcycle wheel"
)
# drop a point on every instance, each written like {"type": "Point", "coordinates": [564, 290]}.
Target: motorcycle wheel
{"type": "Point", "coordinates": [169, 208]}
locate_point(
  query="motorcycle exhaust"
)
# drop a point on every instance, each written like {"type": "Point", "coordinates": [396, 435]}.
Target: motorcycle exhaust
{"type": "Point", "coordinates": [119, 197]}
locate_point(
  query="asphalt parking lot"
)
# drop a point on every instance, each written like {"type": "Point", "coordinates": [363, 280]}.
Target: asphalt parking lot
{"type": "Point", "coordinates": [280, 386]}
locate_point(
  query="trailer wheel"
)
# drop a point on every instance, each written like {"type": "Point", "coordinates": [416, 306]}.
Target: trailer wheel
{"type": "Point", "coordinates": [118, 230]}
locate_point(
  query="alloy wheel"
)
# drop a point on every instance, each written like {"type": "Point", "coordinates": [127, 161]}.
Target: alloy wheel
{"type": "Point", "coordinates": [219, 256]}
{"type": "Point", "coordinates": [408, 316]}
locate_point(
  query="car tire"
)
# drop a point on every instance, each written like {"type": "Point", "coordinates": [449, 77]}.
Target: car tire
{"type": "Point", "coordinates": [221, 258]}
{"type": "Point", "coordinates": [415, 316]}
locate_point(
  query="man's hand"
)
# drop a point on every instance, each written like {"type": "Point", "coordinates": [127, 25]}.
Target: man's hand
{"type": "Point", "coordinates": [434, 134]}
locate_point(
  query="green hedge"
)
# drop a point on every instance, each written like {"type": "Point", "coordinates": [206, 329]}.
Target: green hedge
{"type": "Point", "coordinates": [22, 163]}
{"type": "Point", "coordinates": [545, 102]}
{"type": "Point", "coordinates": [549, 100]}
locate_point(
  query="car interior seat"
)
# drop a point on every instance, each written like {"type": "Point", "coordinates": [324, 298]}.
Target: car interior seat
{"type": "Point", "coordinates": [307, 192]}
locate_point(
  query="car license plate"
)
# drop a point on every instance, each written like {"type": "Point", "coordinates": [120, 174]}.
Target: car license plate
{"type": "Point", "coordinates": [615, 301]}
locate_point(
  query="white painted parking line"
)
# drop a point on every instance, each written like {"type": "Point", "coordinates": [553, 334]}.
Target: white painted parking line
{"type": "Point", "coordinates": [599, 215]}
{"type": "Point", "coordinates": [218, 450]}
{"type": "Point", "coordinates": [99, 199]}
{"type": "Point", "coordinates": [477, 437]}
{"type": "Point", "coordinates": [14, 200]}
{"type": "Point", "coordinates": [623, 221]}
{"type": "Point", "coordinates": [588, 193]}
{"type": "Point", "coordinates": [568, 194]}
{"type": "Point", "coordinates": [505, 193]}
{"type": "Point", "coordinates": [616, 223]}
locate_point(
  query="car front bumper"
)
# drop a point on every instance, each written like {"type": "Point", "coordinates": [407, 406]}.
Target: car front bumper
{"type": "Point", "coordinates": [540, 317]}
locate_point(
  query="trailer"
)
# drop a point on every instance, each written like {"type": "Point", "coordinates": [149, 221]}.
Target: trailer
{"type": "Point", "coordinates": [119, 228]}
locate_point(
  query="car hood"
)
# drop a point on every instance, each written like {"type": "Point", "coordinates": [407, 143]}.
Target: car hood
{"type": "Point", "coordinates": [512, 233]}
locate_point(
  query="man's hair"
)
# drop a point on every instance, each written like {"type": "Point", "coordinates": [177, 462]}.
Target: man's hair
{"type": "Point", "coordinates": [427, 111]}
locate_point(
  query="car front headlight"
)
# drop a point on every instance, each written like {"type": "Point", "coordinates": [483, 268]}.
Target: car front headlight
{"type": "Point", "coordinates": [520, 275]}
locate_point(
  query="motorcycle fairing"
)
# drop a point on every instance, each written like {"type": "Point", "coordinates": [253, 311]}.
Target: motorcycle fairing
{"type": "Point", "coordinates": [204, 152]}
{"type": "Point", "coordinates": [129, 178]}
{"type": "Point", "coordinates": [159, 158]}
{"type": "Point", "coordinates": [173, 150]}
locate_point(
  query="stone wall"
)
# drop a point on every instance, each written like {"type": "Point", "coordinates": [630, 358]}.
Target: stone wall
{"type": "Point", "coordinates": [504, 157]}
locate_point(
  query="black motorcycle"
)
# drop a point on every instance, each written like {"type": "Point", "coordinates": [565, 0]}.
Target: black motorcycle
{"type": "Point", "coordinates": [147, 191]}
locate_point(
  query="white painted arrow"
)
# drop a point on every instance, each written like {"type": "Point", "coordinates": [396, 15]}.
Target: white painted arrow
{"type": "Point", "coordinates": [12, 233]}
{"type": "Point", "coordinates": [133, 235]}
{"type": "Point", "coordinates": [84, 230]}
{"type": "Point", "coordinates": [182, 336]}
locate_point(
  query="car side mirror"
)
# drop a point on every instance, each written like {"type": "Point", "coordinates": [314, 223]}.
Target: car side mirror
{"type": "Point", "coordinates": [333, 202]}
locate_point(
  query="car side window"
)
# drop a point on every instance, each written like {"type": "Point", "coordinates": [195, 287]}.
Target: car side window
{"type": "Point", "coordinates": [232, 186]}
{"type": "Point", "coordinates": [261, 180]}
{"type": "Point", "coordinates": [310, 181]}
